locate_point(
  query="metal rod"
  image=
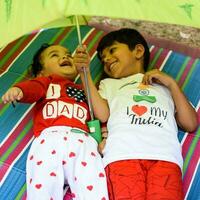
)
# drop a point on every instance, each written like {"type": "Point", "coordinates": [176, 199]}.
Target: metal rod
{"type": "Point", "coordinates": [85, 73]}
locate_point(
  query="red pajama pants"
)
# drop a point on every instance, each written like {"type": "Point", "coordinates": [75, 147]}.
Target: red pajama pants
{"type": "Point", "coordinates": [144, 180]}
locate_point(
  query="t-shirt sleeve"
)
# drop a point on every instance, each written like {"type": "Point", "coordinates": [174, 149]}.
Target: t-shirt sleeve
{"type": "Point", "coordinates": [102, 89]}
{"type": "Point", "coordinates": [33, 90]}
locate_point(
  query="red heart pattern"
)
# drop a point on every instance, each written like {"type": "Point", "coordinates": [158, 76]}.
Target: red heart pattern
{"type": "Point", "coordinates": [81, 141]}
{"type": "Point", "coordinates": [42, 141]}
{"type": "Point", "coordinates": [31, 158]}
{"type": "Point", "coordinates": [64, 162]}
{"type": "Point", "coordinates": [101, 174]}
{"type": "Point", "coordinates": [90, 187]}
{"type": "Point", "coordinates": [39, 162]}
{"type": "Point", "coordinates": [139, 110]}
{"type": "Point", "coordinates": [84, 163]}
{"type": "Point", "coordinates": [52, 174]}
{"type": "Point", "coordinates": [72, 154]}
{"type": "Point", "coordinates": [53, 152]}
{"type": "Point", "coordinates": [38, 186]}
{"type": "Point", "coordinates": [93, 154]}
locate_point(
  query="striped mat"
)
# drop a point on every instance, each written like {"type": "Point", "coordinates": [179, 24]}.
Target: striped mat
{"type": "Point", "coordinates": [16, 123]}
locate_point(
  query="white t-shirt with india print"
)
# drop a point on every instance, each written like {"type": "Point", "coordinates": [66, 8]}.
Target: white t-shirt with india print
{"type": "Point", "coordinates": [141, 123]}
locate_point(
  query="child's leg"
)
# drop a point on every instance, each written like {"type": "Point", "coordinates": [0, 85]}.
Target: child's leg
{"type": "Point", "coordinates": [45, 177]}
{"type": "Point", "coordinates": [164, 181]}
{"type": "Point", "coordinates": [84, 169]}
{"type": "Point", "coordinates": [126, 180]}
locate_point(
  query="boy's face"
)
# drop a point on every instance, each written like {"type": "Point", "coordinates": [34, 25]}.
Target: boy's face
{"type": "Point", "coordinates": [58, 60]}
{"type": "Point", "coordinates": [119, 61]}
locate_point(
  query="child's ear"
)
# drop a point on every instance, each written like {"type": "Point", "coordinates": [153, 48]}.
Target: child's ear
{"type": "Point", "coordinates": [139, 51]}
{"type": "Point", "coordinates": [41, 73]}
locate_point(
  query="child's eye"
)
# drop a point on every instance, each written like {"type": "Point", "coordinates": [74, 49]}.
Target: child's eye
{"type": "Point", "coordinates": [54, 55]}
{"type": "Point", "coordinates": [69, 55]}
{"type": "Point", "coordinates": [112, 50]}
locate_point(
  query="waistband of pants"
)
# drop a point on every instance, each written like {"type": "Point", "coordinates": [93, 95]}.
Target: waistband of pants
{"type": "Point", "coordinates": [64, 128]}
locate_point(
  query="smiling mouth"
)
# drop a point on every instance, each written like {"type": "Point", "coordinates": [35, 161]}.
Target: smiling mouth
{"type": "Point", "coordinates": [112, 66]}
{"type": "Point", "coordinates": [66, 64]}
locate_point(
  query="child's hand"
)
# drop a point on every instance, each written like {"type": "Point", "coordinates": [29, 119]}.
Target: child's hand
{"type": "Point", "coordinates": [156, 76]}
{"type": "Point", "coordinates": [13, 94]}
{"type": "Point", "coordinates": [101, 146]}
{"type": "Point", "coordinates": [81, 59]}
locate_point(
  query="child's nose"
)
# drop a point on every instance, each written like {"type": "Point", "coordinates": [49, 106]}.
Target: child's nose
{"type": "Point", "coordinates": [66, 56]}
{"type": "Point", "coordinates": [107, 59]}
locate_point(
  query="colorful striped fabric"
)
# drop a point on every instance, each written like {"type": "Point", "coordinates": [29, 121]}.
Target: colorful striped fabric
{"type": "Point", "coordinates": [16, 123]}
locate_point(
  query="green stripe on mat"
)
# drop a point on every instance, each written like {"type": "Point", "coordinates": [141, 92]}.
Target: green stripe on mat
{"type": "Point", "coordinates": [13, 49]}
{"type": "Point", "coordinates": [17, 141]}
{"type": "Point", "coordinates": [56, 35]}
{"type": "Point", "coordinates": [64, 38]}
{"type": "Point", "coordinates": [98, 77]}
{"type": "Point", "coordinates": [182, 68]}
{"type": "Point", "coordinates": [21, 192]}
{"type": "Point", "coordinates": [157, 55]}
{"type": "Point", "coordinates": [94, 40]}
{"type": "Point", "coordinates": [4, 109]}
{"type": "Point", "coordinates": [189, 74]}
{"type": "Point", "coordinates": [191, 150]}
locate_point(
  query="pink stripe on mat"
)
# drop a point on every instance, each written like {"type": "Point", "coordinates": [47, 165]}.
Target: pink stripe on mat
{"type": "Point", "coordinates": [18, 51]}
{"type": "Point", "coordinates": [191, 168]}
{"type": "Point", "coordinates": [153, 53]}
{"type": "Point", "coordinates": [16, 132]}
{"type": "Point", "coordinates": [18, 149]}
{"type": "Point", "coordinates": [161, 58]}
{"type": "Point", "coordinates": [187, 143]}
{"type": "Point", "coordinates": [62, 35]}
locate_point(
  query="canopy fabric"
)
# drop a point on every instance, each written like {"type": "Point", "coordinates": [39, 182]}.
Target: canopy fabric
{"type": "Point", "coordinates": [16, 123]}
{"type": "Point", "coordinates": [21, 17]}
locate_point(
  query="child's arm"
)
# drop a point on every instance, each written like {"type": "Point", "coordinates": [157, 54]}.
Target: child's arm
{"type": "Point", "coordinates": [28, 91]}
{"type": "Point", "coordinates": [13, 94]}
{"type": "Point", "coordinates": [186, 115]}
{"type": "Point", "coordinates": [101, 145]}
{"type": "Point", "coordinates": [100, 105]}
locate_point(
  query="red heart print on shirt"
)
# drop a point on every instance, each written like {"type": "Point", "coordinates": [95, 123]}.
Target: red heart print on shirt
{"type": "Point", "coordinates": [139, 110]}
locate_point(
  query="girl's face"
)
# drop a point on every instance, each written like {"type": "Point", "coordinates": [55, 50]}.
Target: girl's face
{"type": "Point", "coordinates": [119, 61]}
{"type": "Point", "coordinates": [58, 60]}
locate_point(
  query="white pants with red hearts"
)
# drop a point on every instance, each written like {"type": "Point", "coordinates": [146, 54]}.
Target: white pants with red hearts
{"type": "Point", "coordinates": [60, 156]}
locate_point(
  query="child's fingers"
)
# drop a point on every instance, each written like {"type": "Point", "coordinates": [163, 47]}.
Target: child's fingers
{"type": "Point", "coordinates": [12, 95]}
{"type": "Point", "coordinates": [147, 79]}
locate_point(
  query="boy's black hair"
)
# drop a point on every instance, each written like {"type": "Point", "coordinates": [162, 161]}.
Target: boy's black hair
{"type": "Point", "coordinates": [128, 36]}
{"type": "Point", "coordinates": [36, 66]}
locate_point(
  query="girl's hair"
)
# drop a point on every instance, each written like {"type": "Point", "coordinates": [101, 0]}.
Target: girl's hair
{"type": "Point", "coordinates": [128, 36]}
{"type": "Point", "coordinates": [36, 66]}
